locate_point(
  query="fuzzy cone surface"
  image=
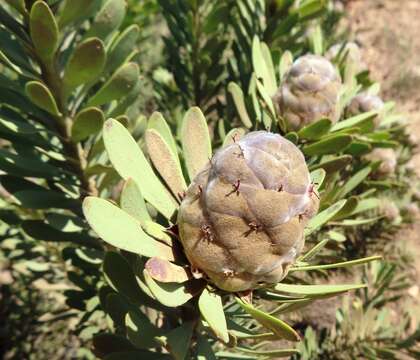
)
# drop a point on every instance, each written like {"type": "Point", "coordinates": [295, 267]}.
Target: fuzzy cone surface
{"type": "Point", "coordinates": [310, 92]}
{"type": "Point", "coordinates": [243, 217]}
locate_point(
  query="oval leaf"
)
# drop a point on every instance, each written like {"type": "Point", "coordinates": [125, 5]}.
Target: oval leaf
{"type": "Point", "coordinates": [315, 130]}
{"type": "Point", "coordinates": [238, 99]}
{"type": "Point", "coordinates": [130, 162]}
{"type": "Point", "coordinates": [132, 202]}
{"type": "Point", "coordinates": [108, 19]}
{"type": "Point", "coordinates": [87, 122]}
{"type": "Point", "coordinates": [157, 122]}
{"type": "Point", "coordinates": [172, 294]}
{"type": "Point", "coordinates": [44, 30]}
{"type": "Point", "coordinates": [41, 96]}
{"type": "Point", "coordinates": [166, 272]}
{"type": "Point", "coordinates": [118, 86]}
{"type": "Point", "coordinates": [330, 145]}
{"type": "Point", "coordinates": [85, 64]}
{"type": "Point", "coordinates": [165, 162]}
{"type": "Point", "coordinates": [73, 10]}
{"type": "Point", "coordinates": [121, 230]}
{"type": "Point", "coordinates": [122, 48]}
{"type": "Point", "coordinates": [211, 308]}
{"type": "Point", "coordinates": [195, 139]}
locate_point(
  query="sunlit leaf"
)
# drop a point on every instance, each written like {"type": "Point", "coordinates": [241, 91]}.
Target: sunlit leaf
{"type": "Point", "coordinates": [211, 308]}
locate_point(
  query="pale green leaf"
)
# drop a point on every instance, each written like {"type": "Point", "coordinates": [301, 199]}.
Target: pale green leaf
{"type": "Point", "coordinates": [314, 290]}
{"type": "Point", "coordinates": [130, 162]}
{"type": "Point", "coordinates": [132, 202]}
{"type": "Point", "coordinates": [121, 230]}
{"type": "Point", "coordinates": [165, 163]}
{"type": "Point", "coordinates": [211, 308]}
{"type": "Point", "coordinates": [157, 122]}
{"type": "Point", "coordinates": [42, 97]}
{"type": "Point", "coordinates": [172, 294]}
{"type": "Point", "coordinates": [324, 216]}
{"type": "Point", "coordinates": [195, 139]}
{"type": "Point", "coordinates": [238, 99]}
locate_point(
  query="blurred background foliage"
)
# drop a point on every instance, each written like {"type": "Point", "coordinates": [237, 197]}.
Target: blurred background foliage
{"type": "Point", "coordinates": [188, 53]}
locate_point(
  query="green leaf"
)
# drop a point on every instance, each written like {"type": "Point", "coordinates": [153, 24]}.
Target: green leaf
{"type": "Point", "coordinates": [122, 48]}
{"type": "Point", "coordinates": [42, 231]}
{"type": "Point", "coordinates": [238, 99]}
{"type": "Point", "coordinates": [268, 354]}
{"type": "Point", "coordinates": [330, 145]}
{"type": "Point", "coordinates": [85, 64]}
{"type": "Point", "coordinates": [26, 165]}
{"type": "Point", "coordinates": [315, 130]}
{"type": "Point", "coordinates": [173, 294]}
{"type": "Point", "coordinates": [140, 331]}
{"type": "Point", "coordinates": [277, 326]}
{"type": "Point", "coordinates": [108, 19]}
{"type": "Point", "coordinates": [132, 202]}
{"type": "Point", "coordinates": [109, 343]}
{"type": "Point", "coordinates": [204, 349]}
{"type": "Point", "coordinates": [337, 265]}
{"type": "Point", "coordinates": [347, 209]}
{"type": "Point", "coordinates": [354, 181]}
{"type": "Point", "coordinates": [317, 41]}
{"type": "Point", "coordinates": [285, 64]}
{"type": "Point", "coordinates": [44, 30]}
{"type": "Point", "coordinates": [19, 5]}
{"type": "Point", "coordinates": [315, 250]}
{"type": "Point", "coordinates": [41, 96]}
{"type": "Point", "coordinates": [121, 230]}
{"type": "Point", "coordinates": [165, 162]}
{"type": "Point", "coordinates": [45, 199]}
{"type": "Point", "coordinates": [121, 277]}
{"type": "Point", "coordinates": [292, 137]}
{"type": "Point", "coordinates": [366, 205]}
{"type": "Point", "coordinates": [266, 98]}
{"type": "Point", "coordinates": [324, 216]}
{"type": "Point", "coordinates": [158, 232]}
{"type": "Point", "coordinates": [195, 139]}
{"type": "Point", "coordinates": [333, 164]}
{"type": "Point", "coordinates": [354, 121]}
{"type": "Point", "coordinates": [211, 308]}
{"type": "Point", "coordinates": [262, 68]}
{"type": "Point", "coordinates": [73, 10]}
{"type": "Point", "coordinates": [86, 123]}
{"type": "Point", "coordinates": [117, 307]}
{"type": "Point", "coordinates": [166, 272]}
{"type": "Point", "coordinates": [130, 162]}
{"type": "Point", "coordinates": [315, 290]}
{"type": "Point", "coordinates": [357, 222]}
{"type": "Point", "coordinates": [318, 177]}
{"type": "Point", "coordinates": [118, 86]}
{"type": "Point", "coordinates": [178, 340]}
{"type": "Point", "coordinates": [157, 122]}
